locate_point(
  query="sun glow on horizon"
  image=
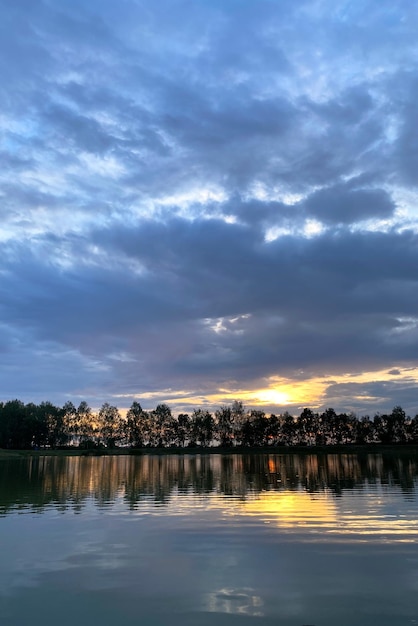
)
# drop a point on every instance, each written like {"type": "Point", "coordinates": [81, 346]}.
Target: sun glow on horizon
{"type": "Point", "coordinates": [272, 396]}
{"type": "Point", "coordinates": [282, 393]}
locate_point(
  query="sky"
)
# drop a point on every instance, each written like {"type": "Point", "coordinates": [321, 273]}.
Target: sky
{"type": "Point", "coordinates": [206, 200]}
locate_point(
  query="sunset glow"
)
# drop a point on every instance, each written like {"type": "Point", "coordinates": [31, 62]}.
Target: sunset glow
{"type": "Point", "coordinates": [292, 395]}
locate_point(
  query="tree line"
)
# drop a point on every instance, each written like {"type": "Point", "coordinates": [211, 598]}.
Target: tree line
{"type": "Point", "coordinates": [28, 426]}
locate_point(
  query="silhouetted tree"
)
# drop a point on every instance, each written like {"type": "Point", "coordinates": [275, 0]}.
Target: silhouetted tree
{"type": "Point", "coordinates": [397, 425]}
{"type": "Point", "coordinates": [134, 431]}
{"type": "Point", "coordinates": [202, 427]}
{"type": "Point", "coordinates": [86, 423]}
{"type": "Point", "coordinates": [35, 426]}
{"type": "Point", "coordinates": [307, 427]}
{"type": "Point", "coordinates": [412, 430]}
{"type": "Point", "coordinates": [225, 426]}
{"type": "Point", "coordinates": [239, 416]}
{"type": "Point", "coordinates": [110, 425]}
{"type": "Point", "coordinates": [183, 429]}
{"type": "Point", "coordinates": [11, 424]}
{"type": "Point", "coordinates": [363, 430]}
{"type": "Point", "coordinates": [53, 418]}
{"type": "Point", "coordinates": [162, 421]}
{"type": "Point", "coordinates": [329, 426]}
{"type": "Point", "coordinates": [288, 429]}
{"type": "Point", "coordinates": [70, 422]}
{"type": "Point", "coordinates": [260, 428]}
{"type": "Point", "coordinates": [273, 430]}
{"type": "Point", "coordinates": [19, 426]}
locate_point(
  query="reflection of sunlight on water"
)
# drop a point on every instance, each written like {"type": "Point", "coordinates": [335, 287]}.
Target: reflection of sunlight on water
{"type": "Point", "coordinates": [345, 497]}
{"type": "Point", "coordinates": [321, 516]}
{"type": "Point", "coordinates": [237, 601]}
{"type": "Point", "coordinates": [290, 508]}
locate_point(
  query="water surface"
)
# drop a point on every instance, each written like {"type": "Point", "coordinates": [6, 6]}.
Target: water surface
{"type": "Point", "coordinates": [209, 540]}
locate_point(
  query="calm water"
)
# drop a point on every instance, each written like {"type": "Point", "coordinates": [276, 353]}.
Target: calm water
{"type": "Point", "coordinates": [209, 540]}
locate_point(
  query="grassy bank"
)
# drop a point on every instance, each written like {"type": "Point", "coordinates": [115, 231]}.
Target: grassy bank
{"type": "Point", "coordinates": [305, 450]}
{"type": "Point", "coordinates": [10, 454]}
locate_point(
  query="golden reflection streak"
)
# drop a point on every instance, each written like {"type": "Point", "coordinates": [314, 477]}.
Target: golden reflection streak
{"type": "Point", "coordinates": [318, 515]}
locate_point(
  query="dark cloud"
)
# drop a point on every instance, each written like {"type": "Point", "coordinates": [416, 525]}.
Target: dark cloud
{"type": "Point", "coordinates": [407, 141]}
{"type": "Point", "coordinates": [85, 133]}
{"type": "Point", "coordinates": [370, 398]}
{"type": "Point", "coordinates": [262, 214]}
{"type": "Point", "coordinates": [349, 108]}
{"type": "Point", "coordinates": [341, 204]}
{"type": "Point", "coordinates": [209, 299]}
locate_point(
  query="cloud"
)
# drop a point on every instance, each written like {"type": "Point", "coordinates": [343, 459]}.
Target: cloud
{"type": "Point", "coordinates": [370, 398]}
{"type": "Point", "coordinates": [213, 301]}
{"type": "Point", "coordinates": [194, 193]}
{"type": "Point", "coordinates": [340, 204]}
{"type": "Point", "coordinates": [406, 150]}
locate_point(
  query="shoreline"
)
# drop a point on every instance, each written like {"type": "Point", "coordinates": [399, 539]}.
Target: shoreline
{"type": "Point", "coordinates": [280, 450]}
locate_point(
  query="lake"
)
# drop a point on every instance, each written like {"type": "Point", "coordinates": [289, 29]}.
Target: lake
{"type": "Point", "coordinates": [202, 540]}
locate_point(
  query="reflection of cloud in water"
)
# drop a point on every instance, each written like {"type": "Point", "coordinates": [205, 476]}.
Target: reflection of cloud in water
{"type": "Point", "coordinates": [237, 601]}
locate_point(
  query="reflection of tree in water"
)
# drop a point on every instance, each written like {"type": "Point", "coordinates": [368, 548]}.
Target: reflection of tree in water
{"type": "Point", "coordinates": [67, 483]}
{"type": "Point", "coordinates": [157, 477]}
